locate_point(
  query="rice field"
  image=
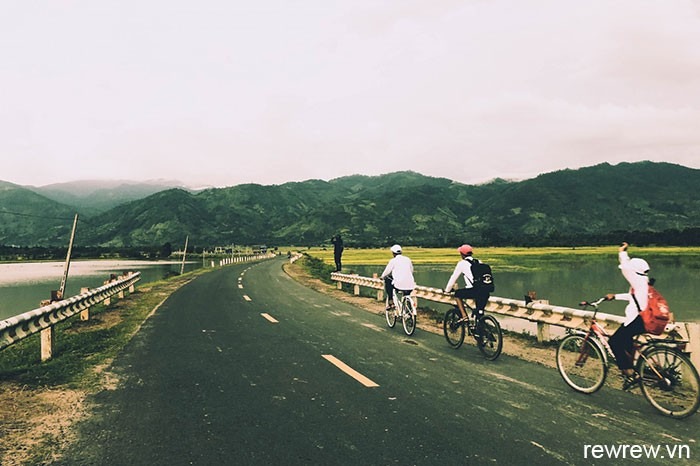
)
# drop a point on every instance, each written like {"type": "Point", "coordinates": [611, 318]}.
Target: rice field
{"type": "Point", "coordinates": [511, 258]}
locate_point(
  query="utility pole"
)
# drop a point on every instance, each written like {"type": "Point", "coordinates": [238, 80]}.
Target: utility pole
{"type": "Point", "coordinates": [62, 289]}
{"type": "Point", "coordinates": [184, 254]}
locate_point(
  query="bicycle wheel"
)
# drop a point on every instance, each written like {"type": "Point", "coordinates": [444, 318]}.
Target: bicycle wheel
{"type": "Point", "coordinates": [490, 341]}
{"type": "Point", "coordinates": [670, 382]}
{"type": "Point", "coordinates": [408, 316]}
{"type": "Point", "coordinates": [454, 330]}
{"type": "Point", "coordinates": [390, 317]}
{"type": "Point", "coordinates": [581, 363]}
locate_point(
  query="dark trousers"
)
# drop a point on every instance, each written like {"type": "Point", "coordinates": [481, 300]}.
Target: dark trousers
{"type": "Point", "coordinates": [481, 298]}
{"type": "Point", "coordinates": [338, 264]}
{"type": "Point", "coordinates": [622, 341]}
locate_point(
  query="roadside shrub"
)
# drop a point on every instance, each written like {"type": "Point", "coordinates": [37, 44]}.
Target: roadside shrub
{"type": "Point", "coordinates": [317, 268]}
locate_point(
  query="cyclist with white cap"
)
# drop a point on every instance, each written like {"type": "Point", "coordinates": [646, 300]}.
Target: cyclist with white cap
{"type": "Point", "coordinates": [464, 267]}
{"type": "Point", "coordinates": [398, 274]}
{"type": "Point", "coordinates": [621, 342]}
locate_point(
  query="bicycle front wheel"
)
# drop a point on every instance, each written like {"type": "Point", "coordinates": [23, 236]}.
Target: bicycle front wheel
{"type": "Point", "coordinates": [581, 363]}
{"type": "Point", "coordinates": [390, 317]}
{"type": "Point", "coordinates": [490, 341]}
{"type": "Point", "coordinates": [408, 316]}
{"type": "Point", "coordinates": [454, 330]}
{"type": "Point", "coordinates": [670, 382]}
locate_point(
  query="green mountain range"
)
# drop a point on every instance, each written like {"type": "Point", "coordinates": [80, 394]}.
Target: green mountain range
{"type": "Point", "coordinates": [643, 202]}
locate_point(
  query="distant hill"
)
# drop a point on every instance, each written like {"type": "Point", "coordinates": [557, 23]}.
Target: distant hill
{"type": "Point", "coordinates": [28, 219]}
{"type": "Point", "coordinates": [628, 197]}
{"type": "Point", "coordinates": [93, 197]}
{"type": "Point", "coordinates": [642, 202]}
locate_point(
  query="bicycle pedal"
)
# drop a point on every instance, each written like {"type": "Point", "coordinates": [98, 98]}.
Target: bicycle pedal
{"type": "Point", "coordinates": [631, 381]}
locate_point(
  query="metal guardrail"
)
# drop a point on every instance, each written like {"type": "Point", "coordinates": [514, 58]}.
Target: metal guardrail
{"type": "Point", "coordinates": [544, 315]}
{"type": "Point", "coordinates": [23, 325]}
{"type": "Point", "coordinates": [244, 258]}
{"type": "Point", "coordinates": [533, 312]}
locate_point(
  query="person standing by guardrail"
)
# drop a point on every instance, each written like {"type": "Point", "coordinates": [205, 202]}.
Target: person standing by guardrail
{"type": "Point", "coordinates": [338, 248]}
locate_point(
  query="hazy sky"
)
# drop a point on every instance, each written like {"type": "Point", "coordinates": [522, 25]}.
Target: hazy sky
{"type": "Point", "coordinates": [223, 92]}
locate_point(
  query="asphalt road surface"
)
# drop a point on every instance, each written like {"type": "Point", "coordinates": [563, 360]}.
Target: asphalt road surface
{"type": "Point", "coordinates": [244, 366]}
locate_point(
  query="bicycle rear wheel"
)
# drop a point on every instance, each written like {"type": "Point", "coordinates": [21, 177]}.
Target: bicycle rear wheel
{"type": "Point", "coordinates": [454, 330]}
{"type": "Point", "coordinates": [390, 317]}
{"type": "Point", "coordinates": [670, 382]}
{"type": "Point", "coordinates": [581, 363]}
{"type": "Point", "coordinates": [408, 316]}
{"type": "Point", "coordinates": [490, 341]}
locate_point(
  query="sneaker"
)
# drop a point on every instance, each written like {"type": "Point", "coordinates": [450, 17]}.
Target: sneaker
{"type": "Point", "coordinates": [630, 381]}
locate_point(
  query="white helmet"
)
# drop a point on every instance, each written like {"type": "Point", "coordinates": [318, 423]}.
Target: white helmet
{"type": "Point", "coordinates": [396, 249]}
{"type": "Point", "coordinates": [638, 266]}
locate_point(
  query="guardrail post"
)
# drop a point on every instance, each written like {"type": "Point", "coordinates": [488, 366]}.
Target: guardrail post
{"type": "Point", "coordinates": [380, 292]}
{"type": "Point", "coordinates": [356, 290]}
{"type": "Point", "coordinates": [543, 332]}
{"type": "Point", "coordinates": [340, 285]}
{"type": "Point", "coordinates": [85, 313]}
{"type": "Point", "coordinates": [47, 343]}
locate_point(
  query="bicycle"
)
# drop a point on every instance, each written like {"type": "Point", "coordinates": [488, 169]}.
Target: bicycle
{"type": "Point", "coordinates": [486, 331]}
{"type": "Point", "coordinates": [668, 379]}
{"type": "Point", "coordinates": [403, 304]}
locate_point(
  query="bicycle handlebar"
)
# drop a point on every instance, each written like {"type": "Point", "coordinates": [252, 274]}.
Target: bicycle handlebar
{"type": "Point", "coordinates": [593, 304]}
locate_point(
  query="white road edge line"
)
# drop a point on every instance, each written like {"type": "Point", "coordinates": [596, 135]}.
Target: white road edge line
{"type": "Point", "coordinates": [246, 297]}
{"type": "Point", "coordinates": [350, 371]}
{"type": "Point", "coordinates": [270, 318]}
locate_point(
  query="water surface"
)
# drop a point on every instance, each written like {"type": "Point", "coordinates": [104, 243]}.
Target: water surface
{"type": "Point", "coordinates": [24, 285]}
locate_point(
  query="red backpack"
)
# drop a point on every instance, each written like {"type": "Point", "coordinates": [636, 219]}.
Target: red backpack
{"type": "Point", "coordinates": [657, 314]}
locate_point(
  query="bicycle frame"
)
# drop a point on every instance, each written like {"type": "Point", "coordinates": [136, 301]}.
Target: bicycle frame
{"type": "Point", "coordinates": [397, 297]}
{"type": "Point", "coordinates": [600, 337]}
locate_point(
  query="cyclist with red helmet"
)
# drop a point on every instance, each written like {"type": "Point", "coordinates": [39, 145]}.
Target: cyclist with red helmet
{"type": "Point", "coordinates": [464, 268]}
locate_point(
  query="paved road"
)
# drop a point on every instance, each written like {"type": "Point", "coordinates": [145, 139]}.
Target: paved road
{"type": "Point", "coordinates": [210, 380]}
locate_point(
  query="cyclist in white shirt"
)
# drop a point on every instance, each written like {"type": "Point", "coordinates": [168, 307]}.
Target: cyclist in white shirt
{"type": "Point", "coordinates": [636, 272]}
{"type": "Point", "coordinates": [398, 274]}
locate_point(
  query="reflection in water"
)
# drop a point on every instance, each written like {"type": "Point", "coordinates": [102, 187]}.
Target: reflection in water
{"type": "Point", "coordinates": [24, 285]}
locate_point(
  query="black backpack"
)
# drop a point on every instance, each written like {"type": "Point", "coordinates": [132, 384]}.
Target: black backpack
{"type": "Point", "coordinates": [483, 278]}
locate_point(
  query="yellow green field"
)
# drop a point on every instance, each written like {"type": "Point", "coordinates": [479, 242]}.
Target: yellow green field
{"type": "Point", "coordinates": [502, 256]}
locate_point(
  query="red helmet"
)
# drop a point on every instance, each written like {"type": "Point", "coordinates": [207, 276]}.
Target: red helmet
{"type": "Point", "coordinates": [464, 249]}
